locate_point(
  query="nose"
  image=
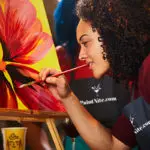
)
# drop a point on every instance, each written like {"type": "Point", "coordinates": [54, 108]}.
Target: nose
{"type": "Point", "coordinates": [82, 54]}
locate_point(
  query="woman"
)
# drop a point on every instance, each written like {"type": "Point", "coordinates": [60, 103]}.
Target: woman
{"type": "Point", "coordinates": [115, 39]}
{"type": "Point", "coordinates": [92, 93]}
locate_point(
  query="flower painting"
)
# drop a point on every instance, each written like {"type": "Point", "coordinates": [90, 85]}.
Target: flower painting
{"type": "Point", "coordinates": [26, 46]}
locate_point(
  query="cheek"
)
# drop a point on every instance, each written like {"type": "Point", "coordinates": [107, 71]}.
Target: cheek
{"type": "Point", "coordinates": [98, 46]}
{"type": "Point", "coordinates": [99, 54]}
{"type": "Point", "coordinates": [94, 50]}
{"type": "Point", "coordinates": [100, 62]}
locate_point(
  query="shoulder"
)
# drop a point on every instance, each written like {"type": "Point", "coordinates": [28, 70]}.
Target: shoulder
{"type": "Point", "coordinates": [145, 64]}
{"type": "Point", "coordinates": [144, 79]}
{"type": "Point", "coordinates": [123, 131]}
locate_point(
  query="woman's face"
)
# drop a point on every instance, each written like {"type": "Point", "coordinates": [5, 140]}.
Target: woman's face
{"type": "Point", "coordinates": [91, 49]}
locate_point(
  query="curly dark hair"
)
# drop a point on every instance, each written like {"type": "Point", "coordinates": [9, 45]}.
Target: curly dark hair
{"type": "Point", "coordinates": [124, 26]}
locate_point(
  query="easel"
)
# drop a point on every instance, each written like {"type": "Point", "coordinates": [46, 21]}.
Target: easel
{"type": "Point", "coordinates": [36, 116]}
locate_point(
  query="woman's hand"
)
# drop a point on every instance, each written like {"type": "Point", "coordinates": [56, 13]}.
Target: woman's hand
{"type": "Point", "coordinates": [57, 85]}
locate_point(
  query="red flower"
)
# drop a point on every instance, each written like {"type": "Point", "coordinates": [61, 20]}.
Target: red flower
{"type": "Point", "coordinates": [23, 44]}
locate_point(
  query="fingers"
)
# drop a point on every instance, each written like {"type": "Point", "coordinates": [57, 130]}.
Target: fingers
{"type": "Point", "coordinates": [51, 80]}
{"type": "Point", "coordinates": [46, 72]}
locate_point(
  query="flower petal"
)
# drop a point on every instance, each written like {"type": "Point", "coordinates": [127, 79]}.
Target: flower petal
{"type": "Point", "coordinates": [23, 70]}
{"type": "Point", "coordinates": [35, 49]}
{"type": "Point", "coordinates": [38, 98]}
{"type": "Point", "coordinates": [24, 39]}
{"type": "Point", "coordinates": [35, 96]}
{"type": "Point", "coordinates": [2, 21]}
{"type": "Point", "coordinates": [7, 96]}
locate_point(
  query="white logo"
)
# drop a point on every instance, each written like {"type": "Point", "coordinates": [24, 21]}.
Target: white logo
{"type": "Point", "coordinates": [132, 120]}
{"type": "Point", "coordinates": [96, 89]}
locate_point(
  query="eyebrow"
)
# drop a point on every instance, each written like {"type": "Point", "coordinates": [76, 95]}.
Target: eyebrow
{"type": "Point", "coordinates": [82, 36]}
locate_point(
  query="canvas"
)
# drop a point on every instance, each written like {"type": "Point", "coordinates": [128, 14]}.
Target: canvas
{"type": "Point", "coordinates": [26, 47]}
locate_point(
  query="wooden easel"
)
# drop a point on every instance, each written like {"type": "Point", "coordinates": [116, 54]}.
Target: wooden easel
{"type": "Point", "coordinates": [36, 116]}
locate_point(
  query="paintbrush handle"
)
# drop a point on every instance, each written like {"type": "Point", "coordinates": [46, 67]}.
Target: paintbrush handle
{"type": "Point", "coordinates": [54, 75]}
{"type": "Point", "coordinates": [70, 70]}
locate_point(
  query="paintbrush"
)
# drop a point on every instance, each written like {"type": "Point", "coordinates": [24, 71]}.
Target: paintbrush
{"type": "Point", "coordinates": [55, 75]}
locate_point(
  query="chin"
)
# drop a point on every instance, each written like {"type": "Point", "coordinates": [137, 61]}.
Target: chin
{"type": "Point", "coordinates": [98, 75]}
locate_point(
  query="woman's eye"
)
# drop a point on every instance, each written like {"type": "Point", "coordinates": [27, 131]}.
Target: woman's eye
{"type": "Point", "coordinates": [85, 44]}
